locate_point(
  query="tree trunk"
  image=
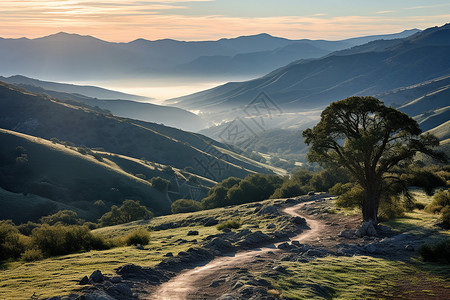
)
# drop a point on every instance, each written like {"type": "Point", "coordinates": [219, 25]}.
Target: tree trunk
{"type": "Point", "coordinates": [370, 205]}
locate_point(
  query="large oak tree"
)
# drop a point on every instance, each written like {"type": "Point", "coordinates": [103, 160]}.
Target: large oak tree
{"type": "Point", "coordinates": [369, 140]}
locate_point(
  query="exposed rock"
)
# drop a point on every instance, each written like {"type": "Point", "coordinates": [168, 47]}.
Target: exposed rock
{"type": "Point", "coordinates": [168, 254]}
{"type": "Point", "coordinates": [280, 269]}
{"type": "Point", "coordinates": [299, 220]}
{"type": "Point", "coordinates": [220, 245]}
{"type": "Point", "coordinates": [348, 234]}
{"type": "Point", "coordinates": [370, 248]}
{"type": "Point", "coordinates": [226, 230]}
{"type": "Point", "coordinates": [192, 232]}
{"type": "Point", "coordinates": [254, 238]}
{"type": "Point", "coordinates": [268, 210]}
{"type": "Point", "coordinates": [115, 279]}
{"type": "Point", "coordinates": [211, 222]}
{"type": "Point", "coordinates": [97, 276]}
{"type": "Point", "coordinates": [84, 281]}
{"type": "Point", "coordinates": [367, 228]}
{"type": "Point", "coordinates": [284, 246]}
{"type": "Point", "coordinates": [165, 226]}
{"type": "Point", "coordinates": [99, 295]}
{"type": "Point", "coordinates": [409, 248]}
{"type": "Point", "coordinates": [217, 282]}
{"type": "Point", "coordinates": [315, 253]}
{"type": "Point", "coordinates": [120, 290]}
{"type": "Point", "coordinates": [291, 201]}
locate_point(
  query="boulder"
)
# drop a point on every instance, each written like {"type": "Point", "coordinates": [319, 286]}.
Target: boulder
{"type": "Point", "coordinates": [121, 290]}
{"type": "Point", "coordinates": [268, 210]}
{"type": "Point", "coordinates": [211, 222]}
{"type": "Point", "coordinates": [97, 277]}
{"type": "Point", "coordinates": [254, 238]}
{"type": "Point", "coordinates": [116, 279]}
{"type": "Point", "coordinates": [98, 295]}
{"type": "Point", "coordinates": [367, 228]}
{"type": "Point", "coordinates": [84, 281]}
{"type": "Point", "coordinates": [220, 245]}
{"type": "Point", "coordinates": [348, 234]}
{"type": "Point", "coordinates": [168, 254]}
{"type": "Point", "coordinates": [299, 220]}
{"type": "Point", "coordinates": [284, 246]}
{"type": "Point", "coordinates": [192, 232]}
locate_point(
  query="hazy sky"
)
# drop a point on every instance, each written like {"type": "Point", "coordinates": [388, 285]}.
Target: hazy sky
{"type": "Point", "coordinates": [126, 20]}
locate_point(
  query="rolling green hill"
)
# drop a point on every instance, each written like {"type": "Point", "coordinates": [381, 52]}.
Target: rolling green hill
{"type": "Point", "coordinates": [49, 118]}
{"type": "Point", "coordinates": [39, 177]}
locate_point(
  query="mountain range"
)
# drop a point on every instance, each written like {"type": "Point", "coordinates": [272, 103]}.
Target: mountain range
{"type": "Point", "coordinates": [64, 56]}
{"type": "Point", "coordinates": [370, 69]}
{"type": "Point", "coordinates": [117, 103]}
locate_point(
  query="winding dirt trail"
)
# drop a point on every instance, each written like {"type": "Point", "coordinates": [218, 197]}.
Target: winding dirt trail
{"type": "Point", "coordinates": [179, 287]}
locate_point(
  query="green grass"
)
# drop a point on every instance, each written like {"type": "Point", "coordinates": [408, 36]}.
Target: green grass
{"type": "Point", "coordinates": [358, 277]}
{"type": "Point", "coordinates": [60, 275]}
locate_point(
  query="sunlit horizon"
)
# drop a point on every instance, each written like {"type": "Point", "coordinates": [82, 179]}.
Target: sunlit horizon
{"type": "Point", "coordinates": [196, 20]}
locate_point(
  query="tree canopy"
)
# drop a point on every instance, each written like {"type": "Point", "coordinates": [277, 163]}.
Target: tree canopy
{"type": "Point", "coordinates": [369, 139]}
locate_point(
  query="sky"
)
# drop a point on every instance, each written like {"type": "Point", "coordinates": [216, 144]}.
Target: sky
{"type": "Point", "coordinates": [127, 20]}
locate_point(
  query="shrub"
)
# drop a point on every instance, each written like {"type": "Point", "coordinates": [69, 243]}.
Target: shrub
{"type": "Point", "coordinates": [64, 217]}
{"type": "Point", "coordinates": [341, 188]}
{"type": "Point", "coordinates": [185, 205]}
{"type": "Point", "coordinates": [426, 179]}
{"type": "Point", "coordinates": [138, 236]}
{"type": "Point", "coordinates": [440, 200]}
{"type": "Point", "coordinates": [58, 239]}
{"type": "Point", "coordinates": [159, 183]}
{"type": "Point", "coordinates": [390, 208]}
{"type": "Point", "coordinates": [439, 252]}
{"type": "Point", "coordinates": [288, 189]}
{"type": "Point", "coordinates": [27, 228]}
{"type": "Point", "coordinates": [32, 255]}
{"type": "Point", "coordinates": [353, 197]}
{"type": "Point", "coordinates": [12, 243]}
{"type": "Point", "coordinates": [232, 224]}
{"type": "Point", "coordinates": [128, 212]}
{"type": "Point", "coordinates": [446, 217]}
{"type": "Point", "coordinates": [419, 205]}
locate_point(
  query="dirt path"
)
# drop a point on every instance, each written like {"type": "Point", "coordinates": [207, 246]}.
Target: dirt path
{"type": "Point", "coordinates": [181, 286]}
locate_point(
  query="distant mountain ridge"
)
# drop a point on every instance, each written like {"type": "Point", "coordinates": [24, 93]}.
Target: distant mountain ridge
{"type": "Point", "coordinates": [73, 57]}
{"type": "Point", "coordinates": [122, 106]}
{"type": "Point", "coordinates": [313, 84]}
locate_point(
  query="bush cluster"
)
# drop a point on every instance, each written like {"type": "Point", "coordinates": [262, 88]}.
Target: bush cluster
{"type": "Point", "coordinates": [185, 206]}
{"type": "Point", "coordinates": [234, 191]}
{"type": "Point", "coordinates": [439, 252]}
{"type": "Point", "coordinates": [47, 240]}
{"type": "Point", "coordinates": [441, 204]}
{"type": "Point", "coordinates": [232, 224]}
{"type": "Point", "coordinates": [138, 236]}
{"type": "Point", "coordinates": [129, 211]}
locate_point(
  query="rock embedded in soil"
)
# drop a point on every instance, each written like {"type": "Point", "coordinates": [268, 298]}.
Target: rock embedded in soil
{"type": "Point", "coordinates": [97, 277]}
{"type": "Point", "coordinates": [192, 232]}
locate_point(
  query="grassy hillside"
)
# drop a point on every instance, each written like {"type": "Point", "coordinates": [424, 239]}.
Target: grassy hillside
{"type": "Point", "coordinates": [48, 118]}
{"type": "Point", "coordinates": [170, 116]}
{"type": "Point", "coordinates": [39, 177]}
